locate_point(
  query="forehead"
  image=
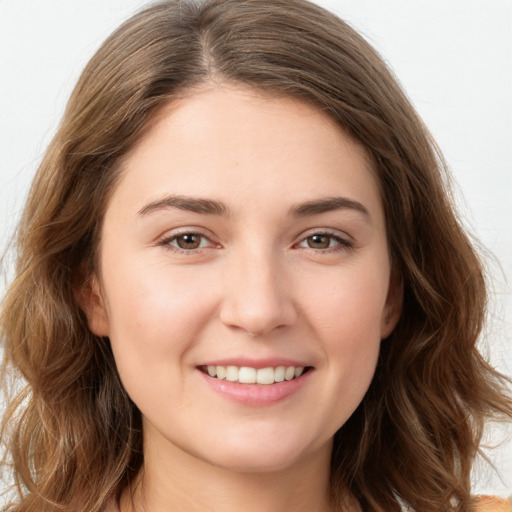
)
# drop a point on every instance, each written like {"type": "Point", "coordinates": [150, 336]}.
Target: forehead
{"type": "Point", "coordinates": [226, 141]}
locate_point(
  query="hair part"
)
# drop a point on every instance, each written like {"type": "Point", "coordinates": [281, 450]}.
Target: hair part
{"type": "Point", "coordinates": [74, 436]}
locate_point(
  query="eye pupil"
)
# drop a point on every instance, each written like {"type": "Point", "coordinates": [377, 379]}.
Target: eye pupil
{"type": "Point", "coordinates": [188, 241]}
{"type": "Point", "coordinates": [318, 241]}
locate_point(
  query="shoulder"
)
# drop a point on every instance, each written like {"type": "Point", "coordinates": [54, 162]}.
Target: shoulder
{"type": "Point", "coordinates": [492, 504]}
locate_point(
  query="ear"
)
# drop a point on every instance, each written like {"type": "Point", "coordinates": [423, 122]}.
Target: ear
{"type": "Point", "coordinates": [393, 307]}
{"type": "Point", "coordinates": [90, 299]}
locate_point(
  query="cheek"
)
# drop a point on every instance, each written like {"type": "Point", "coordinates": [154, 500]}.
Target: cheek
{"type": "Point", "coordinates": [153, 296]}
{"type": "Point", "coordinates": [351, 337]}
{"type": "Point", "coordinates": [155, 317]}
{"type": "Point", "coordinates": [347, 318]}
{"type": "Point", "coordinates": [348, 303]}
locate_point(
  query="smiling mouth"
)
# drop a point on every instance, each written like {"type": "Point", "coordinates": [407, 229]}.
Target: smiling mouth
{"type": "Point", "coordinates": [248, 375]}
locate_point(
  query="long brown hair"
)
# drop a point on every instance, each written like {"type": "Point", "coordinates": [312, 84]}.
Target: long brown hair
{"type": "Point", "coordinates": [73, 436]}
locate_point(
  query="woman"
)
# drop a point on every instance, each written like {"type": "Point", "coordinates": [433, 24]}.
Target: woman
{"type": "Point", "coordinates": [241, 282]}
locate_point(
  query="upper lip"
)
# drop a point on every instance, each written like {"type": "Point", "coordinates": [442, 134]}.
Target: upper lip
{"type": "Point", "coordinates": [256, 363]}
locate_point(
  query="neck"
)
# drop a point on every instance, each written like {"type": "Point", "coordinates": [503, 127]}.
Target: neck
{"type": "Point", "coordinates": [174, 480]}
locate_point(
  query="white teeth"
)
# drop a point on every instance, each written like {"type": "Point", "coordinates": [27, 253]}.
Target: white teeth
{"type": "Point", "coordinates": [265, 376]}
{"type": "Point", "coordinates": [232, 373]}
{"type": "Point", "coordinates": [289, 373]}
{"type": "Point", "coordinates": [248, 375]}
{"type": "Point", "coordinates": [279, 373]}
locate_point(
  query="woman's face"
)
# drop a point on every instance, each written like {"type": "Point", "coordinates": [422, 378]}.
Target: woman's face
{"type": "Point", "coordinates": [245, 232]}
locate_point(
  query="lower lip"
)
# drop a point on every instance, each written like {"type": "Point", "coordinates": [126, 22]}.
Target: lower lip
{"type": "Point", "coordinates": [257, 395]}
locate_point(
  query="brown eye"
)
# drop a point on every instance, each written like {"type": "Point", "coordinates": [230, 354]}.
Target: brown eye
{"type": "Point", "coordinates": [319, 241]}
{"type": "Point", "coordinates": [322, 241]}
{"type": "Point", "coordinates": [189, 241]}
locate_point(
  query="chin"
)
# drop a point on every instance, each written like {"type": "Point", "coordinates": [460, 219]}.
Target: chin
{"type": "Point", "coordinates": [250, 462]}
{"type": "Point", "coordinates": [253, 454]}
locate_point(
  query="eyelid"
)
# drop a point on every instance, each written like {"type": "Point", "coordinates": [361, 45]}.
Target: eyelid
{"type": "Point", "coordinates": [345, 241]}
{"type": "Point", "coordinates": [165, 240]}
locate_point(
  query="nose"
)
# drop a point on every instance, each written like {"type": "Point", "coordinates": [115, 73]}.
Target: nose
{"type": "Point", "coordinates": [258, 295]}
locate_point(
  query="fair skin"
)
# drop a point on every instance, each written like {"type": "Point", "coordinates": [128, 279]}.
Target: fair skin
{"type": "Point", "coordinates": [245, 231]}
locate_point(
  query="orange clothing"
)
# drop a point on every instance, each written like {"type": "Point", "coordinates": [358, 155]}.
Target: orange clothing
{"type": "Point", "coordinates": [493, 504]}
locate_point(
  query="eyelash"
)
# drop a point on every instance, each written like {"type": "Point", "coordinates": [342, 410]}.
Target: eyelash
{"type": "Point", "coordinates": [342, 244]}
{"type": "Point", "coordinates": [167, 242]}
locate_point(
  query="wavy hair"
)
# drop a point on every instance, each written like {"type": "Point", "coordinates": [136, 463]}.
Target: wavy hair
{"type": "Point", "coordinates": [73, 437]}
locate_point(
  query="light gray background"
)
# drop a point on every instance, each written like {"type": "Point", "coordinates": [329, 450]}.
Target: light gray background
{"type": "Point", "coordinates": [453, 57]}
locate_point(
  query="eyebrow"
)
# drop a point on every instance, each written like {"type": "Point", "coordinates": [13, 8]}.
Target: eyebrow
{"type": "Point", "coordinates": [191, 204]}
{"type": "Point", "coordinates": [326, 205]}
{"type": "Point", "coordinates": [212, 207]}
